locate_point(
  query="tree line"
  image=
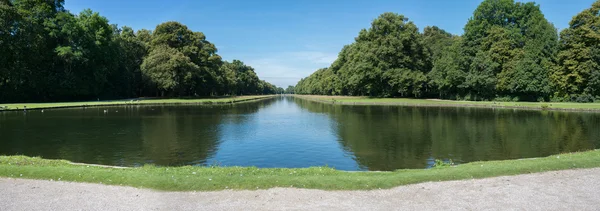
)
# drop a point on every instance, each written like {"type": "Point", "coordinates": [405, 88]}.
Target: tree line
{"type": "Point", "coordinates": [508, 52]}
{"type": "Point", "coordinates": [49, 54]}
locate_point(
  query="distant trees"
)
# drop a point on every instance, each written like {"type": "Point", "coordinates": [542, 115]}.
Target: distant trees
{"type": "Point", "coordinates": [290, 90]}
{"type": "Point", "coordinates": [508, 51]}
{"type": "Point", "coordinates": [49, 54]}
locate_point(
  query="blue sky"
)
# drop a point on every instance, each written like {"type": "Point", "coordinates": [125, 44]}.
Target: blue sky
{"type": "Point", "coordinates": [287, 40]}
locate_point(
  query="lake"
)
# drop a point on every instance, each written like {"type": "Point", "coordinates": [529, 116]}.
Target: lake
{"type": "Point", "coordinates": [293, 133]}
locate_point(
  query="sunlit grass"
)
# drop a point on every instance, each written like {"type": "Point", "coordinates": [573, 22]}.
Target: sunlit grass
{"type": "Point", "coordinates": [435, 102]}
{"type": "Point", "coordinates": [141, 101]}
{"type": "Point", "coordinates": [190, 178]}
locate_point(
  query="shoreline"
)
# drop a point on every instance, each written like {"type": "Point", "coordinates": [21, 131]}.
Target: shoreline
{"type": "Point", "coordinates": [539, 106]}
{"type": "Point", "coordinates": [197, 178]}
{"type": "Point", "coordinates": [134, 102]}
{"type": "Point", "coordinates": [569, 190]}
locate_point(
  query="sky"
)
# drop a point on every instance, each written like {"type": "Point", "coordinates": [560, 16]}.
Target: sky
{"type": "Point", "coordinates": [287, 40]}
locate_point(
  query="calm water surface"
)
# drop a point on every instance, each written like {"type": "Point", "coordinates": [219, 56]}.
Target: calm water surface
{"type": "Point", "coordinates": [291, 132]}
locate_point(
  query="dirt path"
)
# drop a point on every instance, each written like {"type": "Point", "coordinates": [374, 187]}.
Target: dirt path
{"type": "Point", "coordinates": [560, 190]}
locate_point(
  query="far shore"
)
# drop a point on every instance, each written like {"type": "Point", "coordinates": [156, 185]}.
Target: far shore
{"type": "Point", "coordinates": [362, 100]}
{"type": "Point", "coordinates": [135, 101]}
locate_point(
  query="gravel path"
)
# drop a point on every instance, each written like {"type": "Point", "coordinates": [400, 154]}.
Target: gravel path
{"type": "Point", "coordinates": [559, 190]}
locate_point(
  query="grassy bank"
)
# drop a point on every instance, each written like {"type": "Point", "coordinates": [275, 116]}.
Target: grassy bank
{"type": "Point", "coordinates": [141, 101]}
{"type": "Point", "coordinates": [190, 178]}
{"type": "Point", "coordinates": [452, 103]}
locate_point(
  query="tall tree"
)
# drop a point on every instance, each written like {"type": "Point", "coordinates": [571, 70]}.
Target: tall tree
{"type": "Point", "coordinates": [388, 59]}
{"type": "Point", "coordinates": [170, 71]}
{"type": "Point", "coordinates": [437, 41]}
{"type": "Point", "coordinates": [191, 53]}
{"type": "Point", "coordinates": [132, 49]}
{"type": "Point", "coordinates": [247, 81]}
{"type": "Point", "coordinates": [447, 76]}
{"type": "Point", "coordinates": [8, 46]}
{"type": "Point", "coordinates": [50, 54]}
{"type": "Point", "coordinates": [577, 76]}
{"type": "Point", "coordinates": [511, 47]}
{"type": "Point", "coordinates": [32, 47]}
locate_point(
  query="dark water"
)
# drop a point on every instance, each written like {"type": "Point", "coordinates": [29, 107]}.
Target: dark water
{"type": "Point", "coordinates": [291, 132]}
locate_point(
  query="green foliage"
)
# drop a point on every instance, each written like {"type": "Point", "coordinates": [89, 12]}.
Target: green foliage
{"type": "Point", "coordinates": [170, 70]}
{"type": "Point", "coordinates": [437, 41]}
{"type": "Point", "coordinates": [290, 90]}
{"type": "Point", "coordinates": [511, 46]}
{"type": "Point", "coordinates": [446, 77]}
{"type": "Point", "coordinates": [442, 163]}
{"type": "Point", "coordinates": [577, 75]}
{"type": "Point", "coordinates": [506, 99]}
{"type": "Point", "coordinates": [243, 80]}
{"type": "Point", "coordinates": [49, 54]}
{"type": "Point", "coordinates": [388, 59]}
{"type": "Point", "coordinates": [508, 49]}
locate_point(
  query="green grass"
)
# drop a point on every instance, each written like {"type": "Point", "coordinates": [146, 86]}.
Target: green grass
{"type": "Point", "coordinates": [436, 102]}
{"type": "Point", "coordinates": [190, 178]}
{"type": "Point", "coordinates": [20, 106]}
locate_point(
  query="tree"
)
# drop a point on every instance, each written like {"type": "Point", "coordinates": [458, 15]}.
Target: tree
{"type": "Point", "coordinates": [30, 53]}
{"type": "Point", "coordinates": [170, 71]}
{"type": "Point", "coordinates": [8, 46]}
{"type": "Point", "coordinates": [577, 76]}
{"type": "Point", "coordinates": [290, 90]}
{"type": "Point", "coordinates": [193, 56]}
{"type": "Point", "coordinates": [247, 81]}
{"type": "Point", "coordinates": [229, 82]}
{"type": "Point", "coordinates": [199, 50]}
{"type": "Point", "coordinates": [50, 54]}
{"type": "Point", "coordinates": [511, 46]}
{"type": "Point", "coordinates": [132, 49]}
{"type": "Point", "coordinates": [388, 59]}
{"type": "Point", "coordinates": [437, 41]}
{"type": "Point", "coordinates": [508, 49]}
{"type": "Point", "coordinates": [447, 77]}
{"type": "Point", "coordinates": [99, 55]}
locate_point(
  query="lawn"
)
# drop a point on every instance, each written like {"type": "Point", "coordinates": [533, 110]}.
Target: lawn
{"type": "Point", "coordinates": [189, 178]}
{"type": "Point", "coordinates": [140, 101]}
{"type": "Point", "coordinates": [436, 102]}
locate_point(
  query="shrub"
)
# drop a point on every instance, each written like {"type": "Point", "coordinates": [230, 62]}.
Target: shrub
{"type": "Point", "coordinates": [507, 99]}
{"type": "Point", "coordinates": [541, 99]}
{"type": "Point", "coordinates": [582, 98]}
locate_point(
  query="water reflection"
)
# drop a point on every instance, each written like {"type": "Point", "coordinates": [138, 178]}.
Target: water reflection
{"type": "Point", "coordinates": [291, 132]}
{"type": "Point", "coordinates": [125, 136]}
{"type": "Point", "coordinates": [282, 135]}
{"type": "Point", "coordinates": [394, 137]}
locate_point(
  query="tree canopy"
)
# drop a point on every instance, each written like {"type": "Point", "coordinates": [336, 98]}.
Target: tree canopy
{"type": "Point", "coordinates": [508, 51]}
{"type": "Point", "coordinates": [388, 59]}
{"type": "Point", "coordinates": [577, 75]}
{"type": "Point", "coordinates": [50, 54]}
